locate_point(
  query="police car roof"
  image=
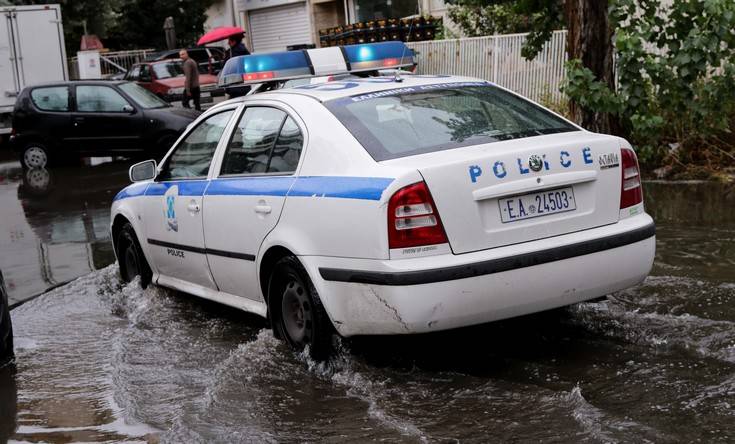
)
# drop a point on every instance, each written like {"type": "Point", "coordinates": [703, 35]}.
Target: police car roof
{"type": "Point", "coordinates": [353, 87]}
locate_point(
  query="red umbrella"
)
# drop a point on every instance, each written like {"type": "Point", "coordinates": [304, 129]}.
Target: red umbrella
{"type": "Point", "coordinates": [221, 33]}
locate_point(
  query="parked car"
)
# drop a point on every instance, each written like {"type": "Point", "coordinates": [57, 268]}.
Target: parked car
{"type": "Point", "coordinates": [6, 326]}
{"type": "Point", "coordinates": [64, 120]}
{"type": "Point", "coordinates": [209, 58]}
{"type": "Point", "coordinates": [380, 206]}
{"type": "Point", "coordinates": [166, 80]}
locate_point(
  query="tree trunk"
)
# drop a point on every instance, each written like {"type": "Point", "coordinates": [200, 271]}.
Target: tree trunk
{"type": "Point", "coordinates": [589, 39]}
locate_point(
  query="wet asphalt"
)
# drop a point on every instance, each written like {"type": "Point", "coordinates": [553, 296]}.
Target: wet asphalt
{"type": "Point", "coordinates": [98, 360]}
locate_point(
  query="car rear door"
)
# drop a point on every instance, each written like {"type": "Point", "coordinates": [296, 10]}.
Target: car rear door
{"type": "Point", "coordinates": [105, 121]}
{"type": "Point", "coordinates": [173, 207]}
{"type": "Point", "coordinates": [244, 202]}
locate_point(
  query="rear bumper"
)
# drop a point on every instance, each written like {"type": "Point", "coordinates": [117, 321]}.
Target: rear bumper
{"type": "Point", "coordinates": [449, 291]}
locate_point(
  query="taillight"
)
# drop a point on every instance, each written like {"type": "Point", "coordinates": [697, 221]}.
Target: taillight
{"type": "Point", "coordinates": [413, 219]}
{"type": "Point", "coordinates": [631, 192]}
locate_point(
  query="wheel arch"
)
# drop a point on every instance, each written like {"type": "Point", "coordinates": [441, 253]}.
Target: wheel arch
{"type": "Point", "coordinates": [267, 263]}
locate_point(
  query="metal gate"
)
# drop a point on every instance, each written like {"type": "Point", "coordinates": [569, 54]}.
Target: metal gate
{"type": "Point", "coordinates": [498, 59]}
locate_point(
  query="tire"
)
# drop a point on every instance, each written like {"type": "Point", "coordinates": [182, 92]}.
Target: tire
{"type": "Point", "coordinates": [296, 312]}
{"type": "Point", "coordinates": [130, 257]}
{"type": "Point", "coordinates": [6, 349]}
{"type": "Point", "coordinates": [35, 155]}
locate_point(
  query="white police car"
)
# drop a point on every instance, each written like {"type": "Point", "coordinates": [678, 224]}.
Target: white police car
{"type": "Point", "coordinates": [384, 206]}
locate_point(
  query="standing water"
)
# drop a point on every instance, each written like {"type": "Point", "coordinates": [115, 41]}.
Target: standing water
{"type": "Point", "coordinates": [99, 360]}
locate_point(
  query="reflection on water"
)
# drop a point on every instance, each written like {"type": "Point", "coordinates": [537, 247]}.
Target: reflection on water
{"type": "Point", "coordinates": [98, 360]}
{"type": "Point", "coordinates": [55, 223]}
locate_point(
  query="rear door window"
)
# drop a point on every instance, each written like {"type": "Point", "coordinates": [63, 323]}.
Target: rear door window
{"type": "Point", "coordinates": [438, 117]}
{"type": "Point", "coordinates": [51, 99]}
{"type": "Point", "coordinates": [265, 141]}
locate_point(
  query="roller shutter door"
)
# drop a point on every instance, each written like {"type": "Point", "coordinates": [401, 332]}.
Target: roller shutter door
{"type": "Point", "coordinates": [273, 29]}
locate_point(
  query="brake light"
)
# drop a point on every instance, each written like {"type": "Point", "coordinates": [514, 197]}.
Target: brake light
{"type": "Point", "coordinates": [631, 191]}
{"type": "Point", "coordinates": [412, 218]}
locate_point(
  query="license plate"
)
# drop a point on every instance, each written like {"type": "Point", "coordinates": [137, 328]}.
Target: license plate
{"type": "Point", "coordinates": [544, 203]}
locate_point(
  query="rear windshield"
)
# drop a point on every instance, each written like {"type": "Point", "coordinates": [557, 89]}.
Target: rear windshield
{"type": "Point", "coordinates": [415, 120]}
{"type": "Point", "coordinates": [168, 70]}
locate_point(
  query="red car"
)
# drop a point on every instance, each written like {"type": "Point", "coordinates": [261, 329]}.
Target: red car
{"type": "Point", "coordinates": [165, 78]}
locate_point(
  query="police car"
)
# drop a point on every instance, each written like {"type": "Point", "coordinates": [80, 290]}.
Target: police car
{"type": "Point", "coordinates": [383, 205]}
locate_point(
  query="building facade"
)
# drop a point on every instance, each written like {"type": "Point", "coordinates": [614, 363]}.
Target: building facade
{"type": "Point", "coordinates": [273, 25]}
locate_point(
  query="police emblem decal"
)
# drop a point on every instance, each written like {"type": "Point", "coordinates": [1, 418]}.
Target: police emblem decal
{"type": "Point", "coordinates": [169, 208]}
{"type": "Point", "coordinates": [535, 162]}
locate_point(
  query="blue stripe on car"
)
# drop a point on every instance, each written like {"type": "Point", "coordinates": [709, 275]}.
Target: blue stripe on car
{"type": "Point", "coordinates": [186, 187]}
{"type": "Point", "coordinates": [251, 186]}
{"type": "Point", "coordinates": [136, 189]}
{"type": "Point", "coordinates": [368, 188]}
{"type": "Point", "coordinates": [343, 187]}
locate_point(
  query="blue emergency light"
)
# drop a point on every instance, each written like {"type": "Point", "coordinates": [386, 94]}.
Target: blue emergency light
{"type": "Point", "coordinates": [278, 66]}
{"type": "Point", "coordinates": [370, 56]}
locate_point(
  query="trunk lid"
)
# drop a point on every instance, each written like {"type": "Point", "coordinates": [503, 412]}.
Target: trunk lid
{"type": "Point", "coordinates": [476, 187]}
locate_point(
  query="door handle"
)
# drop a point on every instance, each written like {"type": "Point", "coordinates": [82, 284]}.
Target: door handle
{"type": "Point", "coordinates": [263, 209]}
{"type": "Point", "coordinates": [193, 207]}
{"type": "Point", "coordinates": [78, 120]}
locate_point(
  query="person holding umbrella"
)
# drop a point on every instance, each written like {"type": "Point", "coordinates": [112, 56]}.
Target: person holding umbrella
{"type": "Point", "coordinates": [237, 48]}
{"type": "Point", "coordinates": [232, 34]}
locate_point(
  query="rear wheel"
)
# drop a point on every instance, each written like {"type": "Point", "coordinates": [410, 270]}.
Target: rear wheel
{"type": "Point", "coordinates": [35, 155]}
{"type": "Point", "coordinates": [6, 349]}
{"type": "Point", "coordinates": [296, 311]}
{"type": "Point", "coordinates": [130, 257]}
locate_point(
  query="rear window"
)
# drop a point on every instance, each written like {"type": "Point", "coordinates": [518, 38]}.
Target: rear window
{"type": "Point", "coordinates": [415, 120]}
{"type": "Point", "coordinates": [51, 99]}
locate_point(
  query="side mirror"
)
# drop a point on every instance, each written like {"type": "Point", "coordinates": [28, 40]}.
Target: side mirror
{"type": "Point", "coordinates": [144, 170]}
{"type": "Point", "coordinates": [128, 109]}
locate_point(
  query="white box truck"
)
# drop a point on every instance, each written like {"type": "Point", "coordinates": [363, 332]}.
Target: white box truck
{"type": "Point", "coordinates": [31, 51]}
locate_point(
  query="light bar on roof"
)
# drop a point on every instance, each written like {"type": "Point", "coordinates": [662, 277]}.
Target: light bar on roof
{"type": "Point", "coordinates": [276, 66]}
{"type": "Point", "coordinates": [371, 56]}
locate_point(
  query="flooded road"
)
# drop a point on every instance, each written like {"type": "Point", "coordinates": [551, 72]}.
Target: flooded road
{"type": "Point", "coordinates": [101, 361]}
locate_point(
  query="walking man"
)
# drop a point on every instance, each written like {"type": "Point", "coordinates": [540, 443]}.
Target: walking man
{"type": "Point", "coordinates": [191, 84]}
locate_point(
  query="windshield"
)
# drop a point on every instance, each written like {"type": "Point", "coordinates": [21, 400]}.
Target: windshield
{"type": "Point", "coordinates": [143, 97]}
{"type": "Point", "coordinates": [168, 70]}
{"type": "Point", "coordinates": [423, 119]}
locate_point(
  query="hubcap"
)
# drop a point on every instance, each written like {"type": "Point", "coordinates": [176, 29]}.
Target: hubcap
{"type": "Point", "coordinates": [35, 157]}
{"type": "Point", "coordinates": [296, 313]}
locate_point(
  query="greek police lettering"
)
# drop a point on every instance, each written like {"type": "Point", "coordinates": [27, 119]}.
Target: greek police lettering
{"type": "Point", "coordinates": [609, 160]}
{"type": "Point", "coordinates": [375, 95]}
{"type": "Point", "coordinates": [475, 172]}
{"type": "Point", "coordinates": [587, 154]}
{"type": "Point", "coordinates": [542, 161]}
{"type": "Point", "coordinates": [499, 170]}
{"type": "Point", "coordinates": [565, 163]}
{"type": "Point", "coordinates": [520, 167]}
{"type": "Point", "coordinates": [175, 253]}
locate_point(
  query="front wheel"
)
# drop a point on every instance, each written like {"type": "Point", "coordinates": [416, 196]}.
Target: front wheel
{"type": "Point", "coordinates": [130, 257]}
{"type": "Point", "coordinates": [296, 311]}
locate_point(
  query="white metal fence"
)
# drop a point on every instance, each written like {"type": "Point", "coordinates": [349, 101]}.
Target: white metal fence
{"type": "Point", "coordinates": [499, 60]}
{"type": "Point", "coordinates": [113, 62]}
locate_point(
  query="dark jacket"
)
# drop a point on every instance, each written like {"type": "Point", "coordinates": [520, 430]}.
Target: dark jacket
{"type": "Point", "coordinates": [191, 72]}
{"type": "Point", "coordinates": [237, 50]}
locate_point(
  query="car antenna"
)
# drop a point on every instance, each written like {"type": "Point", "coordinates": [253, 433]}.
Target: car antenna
{"type": "Point", "coordinates": [397, 77]}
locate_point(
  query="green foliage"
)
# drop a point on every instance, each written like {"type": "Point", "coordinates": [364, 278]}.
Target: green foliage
{"type": "Point", "coordinates": [676, 80]}
{"type": "Point", "coordinates": [487, 17]}
{"type": "Point", "coordinates": [128, 24]}
{"type": "Point", "coordinates": [141, 22]}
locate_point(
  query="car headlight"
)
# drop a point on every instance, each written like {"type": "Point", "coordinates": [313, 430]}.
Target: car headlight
{"type": "Point", "coordinates": [175, 91]}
